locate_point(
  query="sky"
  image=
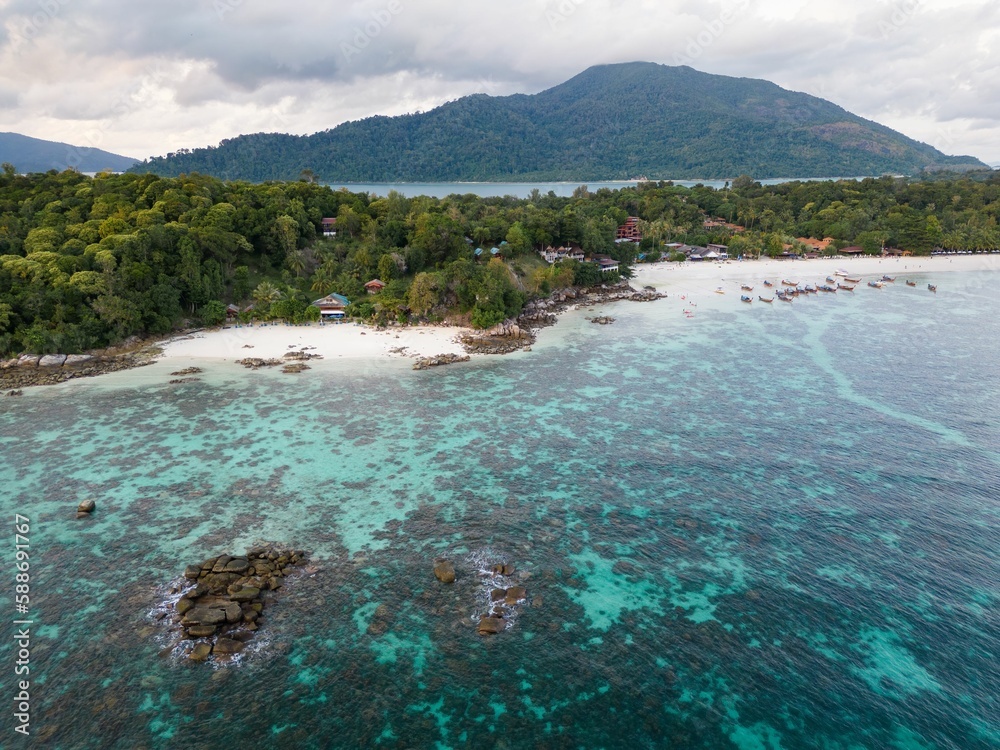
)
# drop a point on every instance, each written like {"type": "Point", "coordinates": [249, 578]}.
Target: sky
{"type": "Point", "coordinates": [145, 79]}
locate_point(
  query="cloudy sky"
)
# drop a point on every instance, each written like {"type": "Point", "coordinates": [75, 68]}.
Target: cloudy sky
{"type": "Point", "coordinates": [144, 79]}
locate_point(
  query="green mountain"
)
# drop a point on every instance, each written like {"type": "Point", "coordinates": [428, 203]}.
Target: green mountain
{"type": "Point", "coordinates": [609, 122]}
{"type": "Point", "coordinates": [35, 155]}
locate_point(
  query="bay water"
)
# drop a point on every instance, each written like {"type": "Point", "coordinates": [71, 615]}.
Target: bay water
{"type": "Point", "coordinates": [763, 526]}
{"type": "Point", "coordinates": [524, 189]}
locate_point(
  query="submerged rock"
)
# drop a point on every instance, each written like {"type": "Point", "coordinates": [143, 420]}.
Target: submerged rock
{"type": "Point", "coordinates": [87, 506]}
{"type": "Point", "coordinates": [491, 625]}
{"type": "Point", "coordinates": [445, 571]}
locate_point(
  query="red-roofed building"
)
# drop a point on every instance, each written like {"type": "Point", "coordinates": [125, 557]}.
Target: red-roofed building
{"type": "Point", "coordinates": [374, 286]}
{"type": "Point", "coordinates": [630, 230]}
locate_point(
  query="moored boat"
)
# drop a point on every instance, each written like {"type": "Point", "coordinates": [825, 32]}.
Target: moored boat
{"type": "Point", "coordinates": [789, 283]}
{"type": "Point", "coordinates": [910, 283]}
{"type": "Point", "coordinates": [744, 298]}
{"type": "Point", "coordinates": [845, 287]}
{"type": "Point", "coordinates": [765, 299]}
{"type": "Point", "coordinates": [746, 288]}
{"type": "Point", "coordinates": [767, 283]}
{"type": "Point", "coordinates": [875, 284]}
{"type": "Point", "coordinates": [888, 279]}
{"type": "Point", "coordinates": [853, 279]}
{"type": "Point", "coordinates": [931, 288]}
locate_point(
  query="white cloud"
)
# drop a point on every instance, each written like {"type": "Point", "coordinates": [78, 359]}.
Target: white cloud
{"type": "Point", "coordinates": [152, 78]}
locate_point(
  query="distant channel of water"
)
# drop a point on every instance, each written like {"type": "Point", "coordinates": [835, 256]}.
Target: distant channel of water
{"type": "Point", "coordinates": [523, 189]}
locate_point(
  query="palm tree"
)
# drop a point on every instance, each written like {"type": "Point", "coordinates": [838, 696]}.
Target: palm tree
{"type": "Point", "coordinates": [266, 293]}
{"type": "Point", "coordinates": [296, 261]}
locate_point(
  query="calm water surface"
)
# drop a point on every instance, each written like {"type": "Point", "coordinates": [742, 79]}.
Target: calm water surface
{"type": "Point", "coordinates": [768, 526]}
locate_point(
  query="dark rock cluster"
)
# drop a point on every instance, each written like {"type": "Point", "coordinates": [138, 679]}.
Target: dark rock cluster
{"type": "Point", "coordinates": [32, 369]}
{"type": "Point", "coordinates": [225, 602]}
{"type": "Point", "coordinates": [441, 359]}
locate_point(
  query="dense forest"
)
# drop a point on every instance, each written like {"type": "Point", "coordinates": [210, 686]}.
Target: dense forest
{"type": "Point", "coordinates": [610, 122]}
{"type": "Point", "coordinates": [86, 262]}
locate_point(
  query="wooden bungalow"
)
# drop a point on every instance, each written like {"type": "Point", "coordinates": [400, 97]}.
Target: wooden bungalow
{"type": "Point", "coordinates": [374, 286]}
{"type": "Point", "coordinates": [331, 307]}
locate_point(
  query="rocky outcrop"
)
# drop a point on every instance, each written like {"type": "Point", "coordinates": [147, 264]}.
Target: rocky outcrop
{"type": "Point", "coordinates": [519, 333]}
{"type": "Point", "coordinates": [302, 356]}
{"type": "Point", "coordinates": [225, 599]}
{"type": "Point", "coordinates": [255, 363]}
{"type": "Point", "coordinates": [295, 367]}
{"type": "Point", "coordinates": [602, 320]}
{"type": "Point", "coordinates": [32, 369]}
{"type": "Point", "coordinates": [188, 371]}
{"type": "Point", "coordinates": [501, 598]}
{"type": "Point", "coordinates": [441, 359]}
{"type": "Point", "coordinates": [85, 508]}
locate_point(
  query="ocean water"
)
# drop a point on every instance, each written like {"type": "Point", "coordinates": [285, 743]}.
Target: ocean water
{"type": "Point", "coordinates": [766, 526]}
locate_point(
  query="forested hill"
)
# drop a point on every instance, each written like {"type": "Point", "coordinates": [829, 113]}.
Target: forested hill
{"type": "Point", "coordinates": [28, 154]}
{"type": "Point", "coordinates": [609, 122]}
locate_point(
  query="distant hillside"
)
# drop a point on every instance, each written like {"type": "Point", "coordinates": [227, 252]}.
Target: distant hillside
{"type": "Point", "coordinates": [609, 122]}
{"type": "Point", "coordinates": [35, 155]}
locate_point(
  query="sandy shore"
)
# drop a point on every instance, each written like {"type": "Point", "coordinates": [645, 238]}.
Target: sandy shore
{"type": "Point", "coordinates": [332, 341]}
{"type": "Point", "coordinates": [350, 341]}
{"type": "Point", "coordinates": [701, 278]}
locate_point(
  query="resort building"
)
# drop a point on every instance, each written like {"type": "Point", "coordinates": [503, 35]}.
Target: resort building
{"type": "Point", "coordinates": [329, 226]}
{"type": "Point", "coordinates": [374, 286]}
{"type": "Point", "coordinates": [553, 254]}
{"type": "Point", "coordinates": [629, 231]}
{"type": "Point", "coordinates": [604, 263]}
{"type": "Point", "coordinates": [331, 307]}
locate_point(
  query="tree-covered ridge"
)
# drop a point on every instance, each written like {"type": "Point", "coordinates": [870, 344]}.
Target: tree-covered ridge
{"type": "Point", "coordinates": [35, 155]}
{"type": "Point", "coordinates": [610, 122]}
{"type": "Point", "coordinates": [86, 262]}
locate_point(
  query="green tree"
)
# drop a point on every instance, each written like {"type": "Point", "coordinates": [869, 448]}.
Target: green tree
{"type": "Point", "coordinates": [212, 313]}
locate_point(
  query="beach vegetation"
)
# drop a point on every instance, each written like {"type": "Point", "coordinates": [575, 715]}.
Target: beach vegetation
{"type": "Point", "coordinates": [90, 261]}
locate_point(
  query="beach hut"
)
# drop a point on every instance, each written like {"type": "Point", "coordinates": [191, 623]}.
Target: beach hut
{"type": "Point", "coordinates": [331, 307]}
{"type": "Point", "coordinates": [374, 286]}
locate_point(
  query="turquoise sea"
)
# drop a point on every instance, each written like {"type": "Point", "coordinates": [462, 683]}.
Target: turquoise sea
{"type": "Point", "coordinates": [763, 527]}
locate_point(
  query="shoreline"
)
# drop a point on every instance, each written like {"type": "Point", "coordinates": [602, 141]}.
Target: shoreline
{"type": "Point", "coordinates": [359, 343]}
{"type": "Point", "coordinates": [703, 278]}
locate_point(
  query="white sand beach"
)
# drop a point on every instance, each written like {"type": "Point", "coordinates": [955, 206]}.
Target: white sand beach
{"type": "Point", "coordinates": [704, 278]}
{"type": "Point", "coordinates": [332, 341]}
{"type": "Point", "coordinates": [351, 341]}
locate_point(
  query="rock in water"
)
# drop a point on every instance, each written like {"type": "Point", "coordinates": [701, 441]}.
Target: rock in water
{"type": "Point", "coordinates": [87, 506]}
{"type": "Point", "coordinates": [200, 652]}
{"type": "Point", "coordinates": [515, 594]}
{"type": "Point", "coordinates": [228, 646]}
{"type": "Point", "coordinates": [491, 626]}
{"type": "Point", "coordinates": [445, 571]}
